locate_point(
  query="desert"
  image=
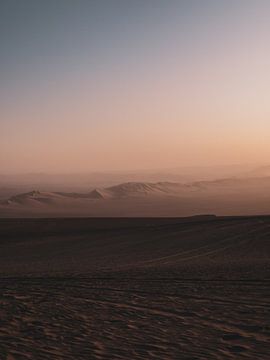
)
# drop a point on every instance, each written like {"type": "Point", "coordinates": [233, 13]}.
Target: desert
{"type": "Point", "coordinates": [140, 288]}
{"type": "Point", "coordinates": [134, 180]}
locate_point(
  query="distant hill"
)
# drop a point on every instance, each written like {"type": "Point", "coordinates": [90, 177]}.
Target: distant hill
{"type": "Point", "coordinates": [124, 190]}
{"type": "Point", "coordinates": [231, 196]}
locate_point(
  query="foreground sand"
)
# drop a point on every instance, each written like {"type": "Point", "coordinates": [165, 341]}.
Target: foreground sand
{"type": "Point", "coordinates": [135, 288]}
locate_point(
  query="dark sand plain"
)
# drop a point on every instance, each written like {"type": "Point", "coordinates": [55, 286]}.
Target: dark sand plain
{"type": "Point", "coordinates": [141, 288]}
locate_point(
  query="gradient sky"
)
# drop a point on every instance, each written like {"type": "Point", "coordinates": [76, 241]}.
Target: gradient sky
{"type": "Point", "coordinates": [119, 85]}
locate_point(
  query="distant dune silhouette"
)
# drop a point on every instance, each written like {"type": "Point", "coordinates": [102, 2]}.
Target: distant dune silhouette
{"type": "Point", "coordinates": [230, 196]}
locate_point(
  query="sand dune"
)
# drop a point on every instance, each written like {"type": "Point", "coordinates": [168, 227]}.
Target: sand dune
{"type": "Point", "coordinates": [159, 188]}
{"type": "Point", "coordinates": [118, 191]}
{"type": "Point", "coordinates": [232, 196]}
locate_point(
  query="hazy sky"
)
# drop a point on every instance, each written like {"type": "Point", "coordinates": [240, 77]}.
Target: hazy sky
{"type": "Point", "coordinates": [116, 84]}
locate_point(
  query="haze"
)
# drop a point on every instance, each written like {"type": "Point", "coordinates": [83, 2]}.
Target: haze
{"type": "Point", "coordinates": [116, 85]}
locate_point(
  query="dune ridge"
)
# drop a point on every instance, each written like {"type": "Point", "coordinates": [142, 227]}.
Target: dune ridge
{"type": "Point", "coordinates": [229, 196]}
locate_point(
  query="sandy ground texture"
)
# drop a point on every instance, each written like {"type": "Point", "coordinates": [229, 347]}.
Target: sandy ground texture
{"type": "Point", "coordinates": [194, 288]}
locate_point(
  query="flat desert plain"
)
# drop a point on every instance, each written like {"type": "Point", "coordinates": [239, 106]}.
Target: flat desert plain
{"type": "Point", "coordinates": [140, 288]}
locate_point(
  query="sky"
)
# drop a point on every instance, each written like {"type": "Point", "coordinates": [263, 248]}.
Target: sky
{"type": "Point", "coordinates": [125, 85]}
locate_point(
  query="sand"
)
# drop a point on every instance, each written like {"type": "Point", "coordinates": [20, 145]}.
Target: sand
{"type": "Point", "coordinates": [195, 288]}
